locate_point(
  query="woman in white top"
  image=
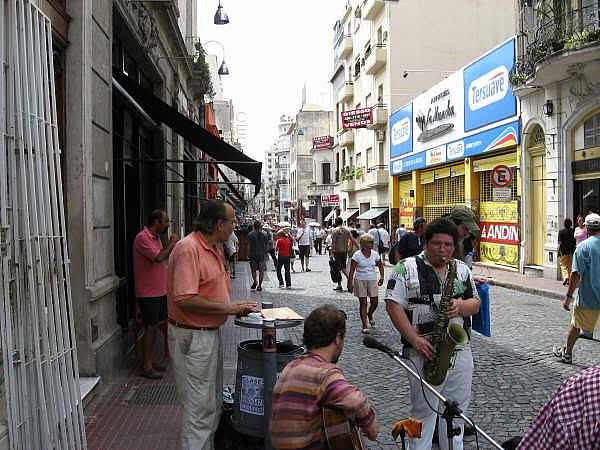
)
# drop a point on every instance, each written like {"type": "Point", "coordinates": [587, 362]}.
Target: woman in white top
{"type": "Point", "coordinates": [363, 279]}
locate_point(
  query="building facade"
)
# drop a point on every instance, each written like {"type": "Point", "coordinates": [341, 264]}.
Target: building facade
{"type": "Point", "coordinates": [282, 166]}
{"type": "Point", "coordinates": [556, 78]}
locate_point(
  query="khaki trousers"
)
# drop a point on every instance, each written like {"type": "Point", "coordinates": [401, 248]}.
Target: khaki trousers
{"type": "Point", "coordinates": [566, 263]}
{"type": "Point", "coordinates": [198, 365]}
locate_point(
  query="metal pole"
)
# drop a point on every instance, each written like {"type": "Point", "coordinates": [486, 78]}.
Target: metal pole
{"type": "Point", "coordinates": [269, 336]}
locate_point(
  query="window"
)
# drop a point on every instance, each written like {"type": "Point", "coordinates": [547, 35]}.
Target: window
{"type": "Point", "coordinates": [357, 68]}
{"type": "Point", "coordinates": [379, 36]}
{"type": "Point", "coordinates": [380, 94]}
{"type": "Point", "coordinates": [369, 157]}
{"type": "Point", "coordinates": [326, 167]}
{"type": "Point", "coordinates": [337, 167]}
{"type": "Point", "coordinates": [591, 131]}
{"type": "Point", "coordinates": [358, 159]}
{"type": "Point", "coordinates": [337, 116]}
{"type": "Point", "coordinates": [368, 101]}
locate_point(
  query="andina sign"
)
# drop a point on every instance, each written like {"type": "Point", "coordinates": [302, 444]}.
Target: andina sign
{"type": "Point", "coordinates": [321, 142]}
{"type": "Point", "coordinates": [357, 118]}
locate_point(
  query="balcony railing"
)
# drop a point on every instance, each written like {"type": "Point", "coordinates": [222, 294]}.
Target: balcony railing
{"type": "Point", "coordinates": [346, 92]}
{"type": "Point", "coordinates": [346, 46]}
{"type": "Point", "coordinates": [550, 29]}
{"type": "Point", "coordinates": [375, 59]}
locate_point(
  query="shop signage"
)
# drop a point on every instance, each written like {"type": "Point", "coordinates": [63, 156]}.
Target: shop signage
{"type": "Point", "coordinates": [357, 118]}
{"type": "Point", "coordinates": [330, 200]}
{"type": "Point", "coordinates": [501, 176]}
{"type": "Point", "coordinates": [435, 155]}
{"type": "Point", "coordinates": [401, 131]}
{"type": "Point", "coordinates": [500, 233]}
{"type": "Point", "coordinates": [500, 236]}
{"type": "Point", "coordinates": [488, 95]}
{"type": "Point", "coordinates": [502, 194]}
{"type": "Point", "coordinates": [321, 142]}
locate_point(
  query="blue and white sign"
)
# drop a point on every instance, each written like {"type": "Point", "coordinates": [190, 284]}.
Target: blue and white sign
{"type": "Point", "coordinates": [408, 163]}
{"type": "Point", "coordinates": [401, 131]}
{"type": "Point", "coordinates": [488, 95]}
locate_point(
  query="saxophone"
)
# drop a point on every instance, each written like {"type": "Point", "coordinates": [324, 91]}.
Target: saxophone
{"type": "Point", "coordinates": [445, 336]}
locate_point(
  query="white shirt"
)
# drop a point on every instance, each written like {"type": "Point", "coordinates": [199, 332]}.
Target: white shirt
{"type": "Point", "coordinates": [400, 231]}
{"type": "Point", "coordinates": [385, 237]}
{"type": "Point", "coordinates": [366, 268]}
{"type": "Point", "coordinates": [231, 243]}
{"type": "Point", "coordinates": [304, 236]}
{"type": "Point", "coordinates": [328, 239]}
{"type": "Point", "coordinates": [374, 232]}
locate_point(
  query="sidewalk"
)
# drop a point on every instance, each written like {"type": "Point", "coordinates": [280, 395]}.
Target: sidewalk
{"type": "Point", "coordinates": [514, 280]}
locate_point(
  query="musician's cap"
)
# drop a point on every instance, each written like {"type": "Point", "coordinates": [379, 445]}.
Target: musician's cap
{"type": "Point", "coordinates": [464, 215]}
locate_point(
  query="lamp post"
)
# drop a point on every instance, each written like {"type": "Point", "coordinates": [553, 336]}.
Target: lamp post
{"type": "Point", "coordinates": [223, 69]}
{"type": "Point", "coordinates": [407, 71]}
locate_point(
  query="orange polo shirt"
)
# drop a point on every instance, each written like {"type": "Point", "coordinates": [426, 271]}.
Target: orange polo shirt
{"type": "Point", "coordinates": [196, 269]}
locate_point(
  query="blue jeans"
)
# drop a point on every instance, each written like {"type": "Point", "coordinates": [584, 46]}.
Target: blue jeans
{"type": "Point", "coordinates": [285, 262]}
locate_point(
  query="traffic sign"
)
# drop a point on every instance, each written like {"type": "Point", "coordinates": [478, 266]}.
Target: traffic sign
{"type": "Point", "coordinates": [501, 176]}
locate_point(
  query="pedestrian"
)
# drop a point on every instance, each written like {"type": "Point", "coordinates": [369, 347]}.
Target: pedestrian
{"type": "Point", "coordinates": [199, 303]}
{"type": "Point", "coordinates": [319, 233]}
{"type": "Point", "coordinates": [374, 232]}
{"type": "Point", "coordinates": [150, 276]}
{"type": "Point", "coordinates": [411, 243]}
{"type": "Point", "coordinates": [232, 247]}
{"type": "Point", "coordinates": [400, 231]}
{"type": "Point", "coordinates": [566, 248]}
{"type": "Point", "coordinates": [304, 244]}
{"type": "Point", "coordinates": [580, 233]}
{"type": "Point", "coordinates": [571, 418]}
{"type": "Point", "coordinates": [328, 240]}
{"type": "Point", "coordinates": [312, 382]}
{"type": "Point", "coordinates": [284, 252]}
{"type": "Point", "coordinates": [585, 275]}
{"type": "Point", "coordinates": [466, 223]}
{"type": "Point", "coordinates": [363, 279]}
{"type": "Point", "coordinates": [270, 244]}
{"type": "Point", "coordinates": [340, 241]}
{"type": "Point", "coordinates": [258, 255]}
{"type": "Point", "coordinates": [384, 241]}
{"type": "Point", "coordinates": [412, 296]}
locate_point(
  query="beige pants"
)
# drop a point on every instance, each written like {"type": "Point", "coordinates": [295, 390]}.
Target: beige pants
{"type": "Point", "coordinates": [198, 365]}
{"type": "Point", "coordinates": [566, 262]}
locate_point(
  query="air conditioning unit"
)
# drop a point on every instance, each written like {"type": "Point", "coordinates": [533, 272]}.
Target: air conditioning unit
{"type": "Point", "coordinates": [380, 135]}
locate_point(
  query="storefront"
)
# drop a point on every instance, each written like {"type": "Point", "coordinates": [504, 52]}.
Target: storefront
{"type": "Point", "coordinates": [446, 144]}
{"type": "Point", "coordinates": [586, 165]}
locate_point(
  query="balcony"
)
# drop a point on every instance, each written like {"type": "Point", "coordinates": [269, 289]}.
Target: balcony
{"type": "Point", "coordinates": [377, 176]}
{"type": "Point", "coordinates": [346, 185]}
{"type": "Point", "coordinates": [321, 189]}
{"type": "Point", "coordinates": [375, 59]}
{"type": "Point", "coordinates": [346, 137]}
{"type": "Point", "coordinates": [371, 9]}
{"type": "Point", "coordinates": [380, 117]}
{"type": "Point", "coordinates": [346, 92]}
{"type": "Point", "coordinates": [553, 38]}
{"type": "Point", "coordinates": [346, 46]}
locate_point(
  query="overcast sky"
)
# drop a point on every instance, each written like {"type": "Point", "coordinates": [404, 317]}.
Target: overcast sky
{"type": "Point", "coordinates": [271, 48]}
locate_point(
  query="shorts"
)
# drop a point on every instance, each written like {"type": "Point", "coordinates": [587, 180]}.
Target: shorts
{"type": "Point", "coordinates": [154, 309]}
{"type": "Point", "coordinates": [340, 259]}
{"type": "Point", "coordinates": [259, 265]}
{"type": "Point", "coordinates": [365, 288]}
{"type": "Point", "coordinates": [304, 250]}
{"type": "Point", "coordinates": [585, 318]}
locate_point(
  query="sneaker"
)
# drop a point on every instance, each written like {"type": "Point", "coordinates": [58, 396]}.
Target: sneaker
{"type": "Point", "coordinates": [308, 270]}
{"type": "Point", "coordinates": [560, 353]}
{"type": "Point", "coordinates": [371, 321]}
{"type": "Point", "coordinates": [259, 288]}
{"type": "Point", "coordinates": [339, 289]}
{"type": "Point", "coordinates": [281, 286]}
{"type": "Point", "coordinates": [288, 287]}
{"type": "Point", "coordinates": [253, 286]}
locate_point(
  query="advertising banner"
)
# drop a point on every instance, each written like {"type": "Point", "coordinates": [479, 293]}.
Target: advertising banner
{"type": "Point", "coordinates": [499, 224]}
{"type": "Point", "coordinates": [357, 118]}
{"type": "Point", "coordinates": [330, 200]}
{"type": "Point", "coordinates": [322, 142]}
{"type": "Point", "coordinates": [401, 131]}
{"type": "Point", "coordinates": [488, 95]}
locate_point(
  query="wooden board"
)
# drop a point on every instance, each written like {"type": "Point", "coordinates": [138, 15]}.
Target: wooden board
{"type": "Point", "coordinates": [281, 314]}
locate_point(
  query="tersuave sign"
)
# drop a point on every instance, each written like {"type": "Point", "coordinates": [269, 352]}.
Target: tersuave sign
{"type": "Point", "coordinates": [357, 118]}
{"type": "Point", "coordinates": [320, 142]}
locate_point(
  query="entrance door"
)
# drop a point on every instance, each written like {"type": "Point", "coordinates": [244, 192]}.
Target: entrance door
{"type": "Point", "coordinates": [586, 197]}
{"type": "Point", "coordinates": [538, 205]}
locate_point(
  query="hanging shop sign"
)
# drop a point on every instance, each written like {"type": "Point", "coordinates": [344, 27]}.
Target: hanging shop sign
{"type": "Point", "coordinates": [501, 176]}
{"type": "Point", "coordinates": [500, 238]}
{"type": "Point", "coordinates": [401, 131]}
{"type": "Point", "coordinates": [330, 200]}
{"type": "Point", "coordinates": [322, 142]}
{"type": "Point", "coordinates": [488, 95]}
{"type": "Point", "coordinates": [357, 118]}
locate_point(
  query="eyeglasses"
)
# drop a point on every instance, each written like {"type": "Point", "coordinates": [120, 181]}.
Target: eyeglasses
{"type": "Point", "coordinates": [440, 244]}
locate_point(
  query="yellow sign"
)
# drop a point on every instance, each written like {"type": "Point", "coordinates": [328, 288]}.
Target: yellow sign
{"type": "Point", "coordinates": [499, 242]}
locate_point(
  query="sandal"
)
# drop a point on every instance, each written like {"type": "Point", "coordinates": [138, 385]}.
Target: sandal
{"type": "Point", "coordinates": [365, 331]}
{"type": "Point", "coordinates": [151, 374]}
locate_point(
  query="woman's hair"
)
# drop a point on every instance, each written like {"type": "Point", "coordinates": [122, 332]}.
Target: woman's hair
{"type": "Point", "coordinates": [322, 326]}
{"type": "Point", "coordinates": [568, 223]}
{"type": "Point", "coordinates": [365, 239]}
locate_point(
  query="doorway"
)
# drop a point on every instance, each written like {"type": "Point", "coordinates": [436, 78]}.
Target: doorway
{"type": "Point", "coordinates": [537, 205]}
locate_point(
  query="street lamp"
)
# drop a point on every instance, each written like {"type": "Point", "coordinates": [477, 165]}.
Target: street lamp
{"type": "Point", "coordinates": [223, 69]}
{"type": "Point", "coordinates": [406, 72]}
{"type": "Point", "coordinates": [221, 17]}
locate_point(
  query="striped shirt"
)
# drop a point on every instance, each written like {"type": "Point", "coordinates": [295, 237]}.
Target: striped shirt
{"type": "Point", "coordinates": [307, 384]}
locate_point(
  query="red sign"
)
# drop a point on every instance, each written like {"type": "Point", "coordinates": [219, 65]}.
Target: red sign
{"type": "Point", "coordinates": [320, 142]}
{"type": "Point", "coordinates": [501, 176]}
{"type": "Point", "coordinates": [330, 200]}
{"type": "Point", "coordinates": [357, 118]}
{"type": "Point", "coordinates": [500, 232]}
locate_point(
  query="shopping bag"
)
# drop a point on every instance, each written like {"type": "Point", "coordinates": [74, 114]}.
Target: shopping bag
{"type": "Point", "coordinates": [482, 320]}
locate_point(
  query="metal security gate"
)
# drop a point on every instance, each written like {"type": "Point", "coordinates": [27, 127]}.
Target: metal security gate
{"type": "Point", "coordinates": [43, 404]}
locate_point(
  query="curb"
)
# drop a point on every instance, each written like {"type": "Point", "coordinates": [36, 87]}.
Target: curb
{"type": "Point", "coordinates": [529, 290]}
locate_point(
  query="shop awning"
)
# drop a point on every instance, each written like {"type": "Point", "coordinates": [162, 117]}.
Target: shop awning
{"type": "Point", "coordinates": [373, 213]}
{"type": "Point", "coordinates": [349, 213]}
{"type": "Point", "coordinates": [213, 146]}
{"type": "Point", "coordinates": [509, 160]}
{"type": "Point", "coordinates": [329, 216]}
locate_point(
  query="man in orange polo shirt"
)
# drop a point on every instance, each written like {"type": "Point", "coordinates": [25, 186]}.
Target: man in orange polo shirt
{"type": "Point", "coordinates": [198, 303]}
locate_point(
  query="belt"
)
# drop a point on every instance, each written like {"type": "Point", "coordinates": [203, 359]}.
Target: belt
{"type": "Point", "coordinates": [189, 327]}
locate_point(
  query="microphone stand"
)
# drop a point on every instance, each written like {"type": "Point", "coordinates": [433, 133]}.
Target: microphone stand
{"type": "Point", "coordinates": [451, 409]}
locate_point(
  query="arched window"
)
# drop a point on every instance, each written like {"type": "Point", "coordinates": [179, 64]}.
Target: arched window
{"type": "Point", "coordinates": [591, 131]}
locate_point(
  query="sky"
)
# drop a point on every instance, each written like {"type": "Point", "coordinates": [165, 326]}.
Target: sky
{"type": "Point", "coordinates": [272, 47]}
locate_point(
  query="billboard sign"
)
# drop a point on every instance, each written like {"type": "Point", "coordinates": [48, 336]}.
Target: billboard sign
{"type": "Point", "coordinates": [488, 95]}
{"type": "Point", "coordinates": [357, 118]}
{"type": "Point", "coordinates": [322, 142]}
{"type": "Point", "coordinates": [330, 200]}
{"type": "Point", "coordinates": [401, 128]}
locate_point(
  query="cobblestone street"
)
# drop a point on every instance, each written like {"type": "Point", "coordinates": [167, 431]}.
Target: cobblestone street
{"type": "Point", "coordinates": [515, 371]}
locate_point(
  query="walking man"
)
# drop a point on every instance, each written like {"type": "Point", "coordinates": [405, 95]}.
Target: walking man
{"type": "Point", "coordinates": [340, 242]}
{"type": "Point", "coordinates": [585, 274]}
{"type": "Point", "coordinates": [199, 303]}
{"type": "Point", "coordinates": [150, 275]}
{"type": "Point", "coordinates": [411, 244]}
{"type": "Point", "coordinates": [258, 255]}
{"type": "Point", "coordinates": [319, 240]}
{"type": "Point", "coordinates": [412, 295]}
{"type": "Point", "coordinates": [304, 244]}
{"type": "Point", "coordinates": [384, 241]}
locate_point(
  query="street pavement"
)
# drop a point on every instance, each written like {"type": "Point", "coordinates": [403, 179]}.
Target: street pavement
{"type": "Point", "coordinates": [515, 371]}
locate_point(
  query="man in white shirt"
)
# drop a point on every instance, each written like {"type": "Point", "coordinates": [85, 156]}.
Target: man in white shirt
{"type": "Point", "coordinates": [375, 233]}
{"type": "Point", "coordinates": [384, 243]}
{"type": "Point", "coordinates": [304, 243]}
{"type": "Point", "coordinates": [400, 231]}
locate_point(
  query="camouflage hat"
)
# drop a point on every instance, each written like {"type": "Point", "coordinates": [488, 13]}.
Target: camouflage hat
{"type": "Point", "coordinates": [465, 216]}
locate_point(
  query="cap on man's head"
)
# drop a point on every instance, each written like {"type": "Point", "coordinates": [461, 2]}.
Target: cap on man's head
{"type": "Point", "coordinates": [465, 215]}
{"type": "Point", "coordinates": [592, 221]}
